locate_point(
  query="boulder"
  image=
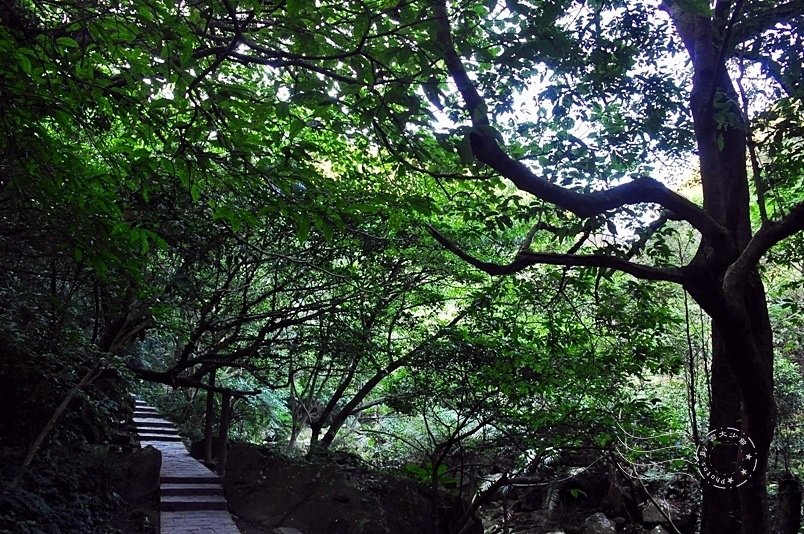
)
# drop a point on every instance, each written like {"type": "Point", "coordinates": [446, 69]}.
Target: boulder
{"type": "Point", "coordinates": [599, 524]}
{"type": "Point", "coordinates": [197, 448]}
{"type": "Point", "coordinates": [683, 521]}
{"type": "Point", "coordinates": [141, 474]}
{"type": "Point", "coordinates": [286, 530]}
{"type": "Point", "coordinates": [652, 515]}
{"type": "Point", "coordinates": [271, 492]}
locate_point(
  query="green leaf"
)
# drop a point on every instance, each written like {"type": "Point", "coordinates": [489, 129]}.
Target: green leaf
{"type": "Point", "coordinates": [302, 228]}
{"type": "Point", "coordinates": [576, 492]}
{"type": "Point", "coordinates": [159, 103]}
{"type": "Point", "coordinates": [326, 229]}
{"type": "Point", "coordinates": [24, 62]}
{"type": "Point", "coordinates": [98, 265]}
{"type": "Point", "coordinates": [223, 212]}
{"type": "Point", "coordinates": [67, 42]}
{"type": "Point", "coordinates": [696, 7]}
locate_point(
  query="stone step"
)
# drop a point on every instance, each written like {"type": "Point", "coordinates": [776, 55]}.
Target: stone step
{"type": "Point", "coordinates": [160, 427]}
{"type": "Point", "coordinates": [191, 489]}
{"type": "Point", "coordinates": [185, 480]}
{"type": "Point", "coordinates": [182, 503]}
{"type": "Point", "coordinates": [152, 421]}
{"type": "Point", "coordinates": [145, 413]}
{"type": "Point", "coordinates": [163, 430]}
{"type": "Point", "coordinates": [159, 437]}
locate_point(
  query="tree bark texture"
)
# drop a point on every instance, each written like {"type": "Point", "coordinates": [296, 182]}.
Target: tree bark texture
{"type": "Point", "coordinates": [788, 516]}
{"type": "Point", "coordinates": [742, 342]}
{"type": "Point", "coordinates": [209, 421]}
{"type": "Point", "coordinates": [223, 432]}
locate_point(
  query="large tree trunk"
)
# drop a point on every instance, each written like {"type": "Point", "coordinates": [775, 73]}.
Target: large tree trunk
{"type": "Point", "coordinates": [742, 343]}
{"type": "Point", "coordinates": [742, 397]}
{"type": "Point", "coordinates": [720, 511]}
{"type": "Point", "coordinates": [754, 371]}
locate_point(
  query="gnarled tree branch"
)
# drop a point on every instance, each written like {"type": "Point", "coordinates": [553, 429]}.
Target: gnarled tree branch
{"type": "Point", "coordinates": [487, 149]}
{"type": "Point", "coordinates": [768, 235]}
{"type": "Point", "coordinates": [171, 379]}
{"type": "Point", "coordinates": [526, 259]}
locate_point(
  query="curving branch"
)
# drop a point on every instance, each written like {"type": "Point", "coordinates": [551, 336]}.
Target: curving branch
{"type": "Point", "coordinates": [221, 57]}
{"type": "Point", "coordinates": [525, 259]}
{"type": "Point", "coordinates": [172, 379]}
{"type": "Point", "coordinates": [487, 149]}
{"type": "Point", "coordinates": [768, 235]}
{"type": "Point", "coordinates": [760, 17]}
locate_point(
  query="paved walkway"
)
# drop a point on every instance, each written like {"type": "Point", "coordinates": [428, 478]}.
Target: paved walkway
{"type": "Point", "coordinates": [192, 498]}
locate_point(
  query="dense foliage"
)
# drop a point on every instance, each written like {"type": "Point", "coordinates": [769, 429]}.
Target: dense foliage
{"type": "Point", "coordinates": [309, 206]}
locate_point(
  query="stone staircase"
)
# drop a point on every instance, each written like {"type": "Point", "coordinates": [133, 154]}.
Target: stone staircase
{"type": "Point", "coordinates": [191, 496]}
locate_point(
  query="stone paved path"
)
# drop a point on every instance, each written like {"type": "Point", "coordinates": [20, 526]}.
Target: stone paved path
{"type": "Point", "coordinates": [192, 498]}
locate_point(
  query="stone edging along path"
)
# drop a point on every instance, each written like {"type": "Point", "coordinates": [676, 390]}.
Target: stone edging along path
{"type": "Point", "coordinates": [191, 496]}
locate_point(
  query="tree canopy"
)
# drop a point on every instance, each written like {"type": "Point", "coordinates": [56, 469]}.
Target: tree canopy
{"type": "Point", "coordinates": [311, 196]}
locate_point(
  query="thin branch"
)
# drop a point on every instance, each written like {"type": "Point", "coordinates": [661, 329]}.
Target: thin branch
{"type": "Point", "coordinates": [526, 259]}
{"type": "Point", "coordinates": [725, 49]}
{"type": "Point", "coordinates": [646, 233]}
{"type": "Point", "coordinates": [762, 16]}
{"type": "Point", "coordinates": [771, 67]}
{"type": "Point", "coordinates": [541, 225]}
{"type": "Point", "coordinates": [219, 59]}
{"type": "Point", "coordinates": [93, 373]}
{"type": "Point", "coordinates": [756, 170]}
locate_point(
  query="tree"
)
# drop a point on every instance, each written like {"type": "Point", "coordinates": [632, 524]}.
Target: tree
{"type": "Point", "coordinates": [232, 94]}
{"type": "Point", "coordinates": [479, 45]}
{"type": "Point", "coordinates": [723, 276]}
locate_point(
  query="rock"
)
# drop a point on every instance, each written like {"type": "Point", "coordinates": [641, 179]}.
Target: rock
{"type": "Point", "coordinates": [273, 493]}
{"type": "Point", "coordinates": [197, 448]}
{"type": "Point", "coordinates": [651, 514]}
{"type": "Point", "coordinates": [658, 529]}
{"type": "Point", "coordinates": [286, 530]}
{"type": "Point", "coordinates": [143, 520]}
{"type": "Point", "coordinates": [619, 521]}
{"type": "Point", "coordinates": [619, 499]}
{"type": "Point", "coordinates": [141, 474]}
{"type": "Point", "coordinates": [599, 524]}
{"type": "Point", "coordinates": [685, 522]}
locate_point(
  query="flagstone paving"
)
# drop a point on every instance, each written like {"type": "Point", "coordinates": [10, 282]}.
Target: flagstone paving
{"type": "Point", "coordinates": [191, 496]}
